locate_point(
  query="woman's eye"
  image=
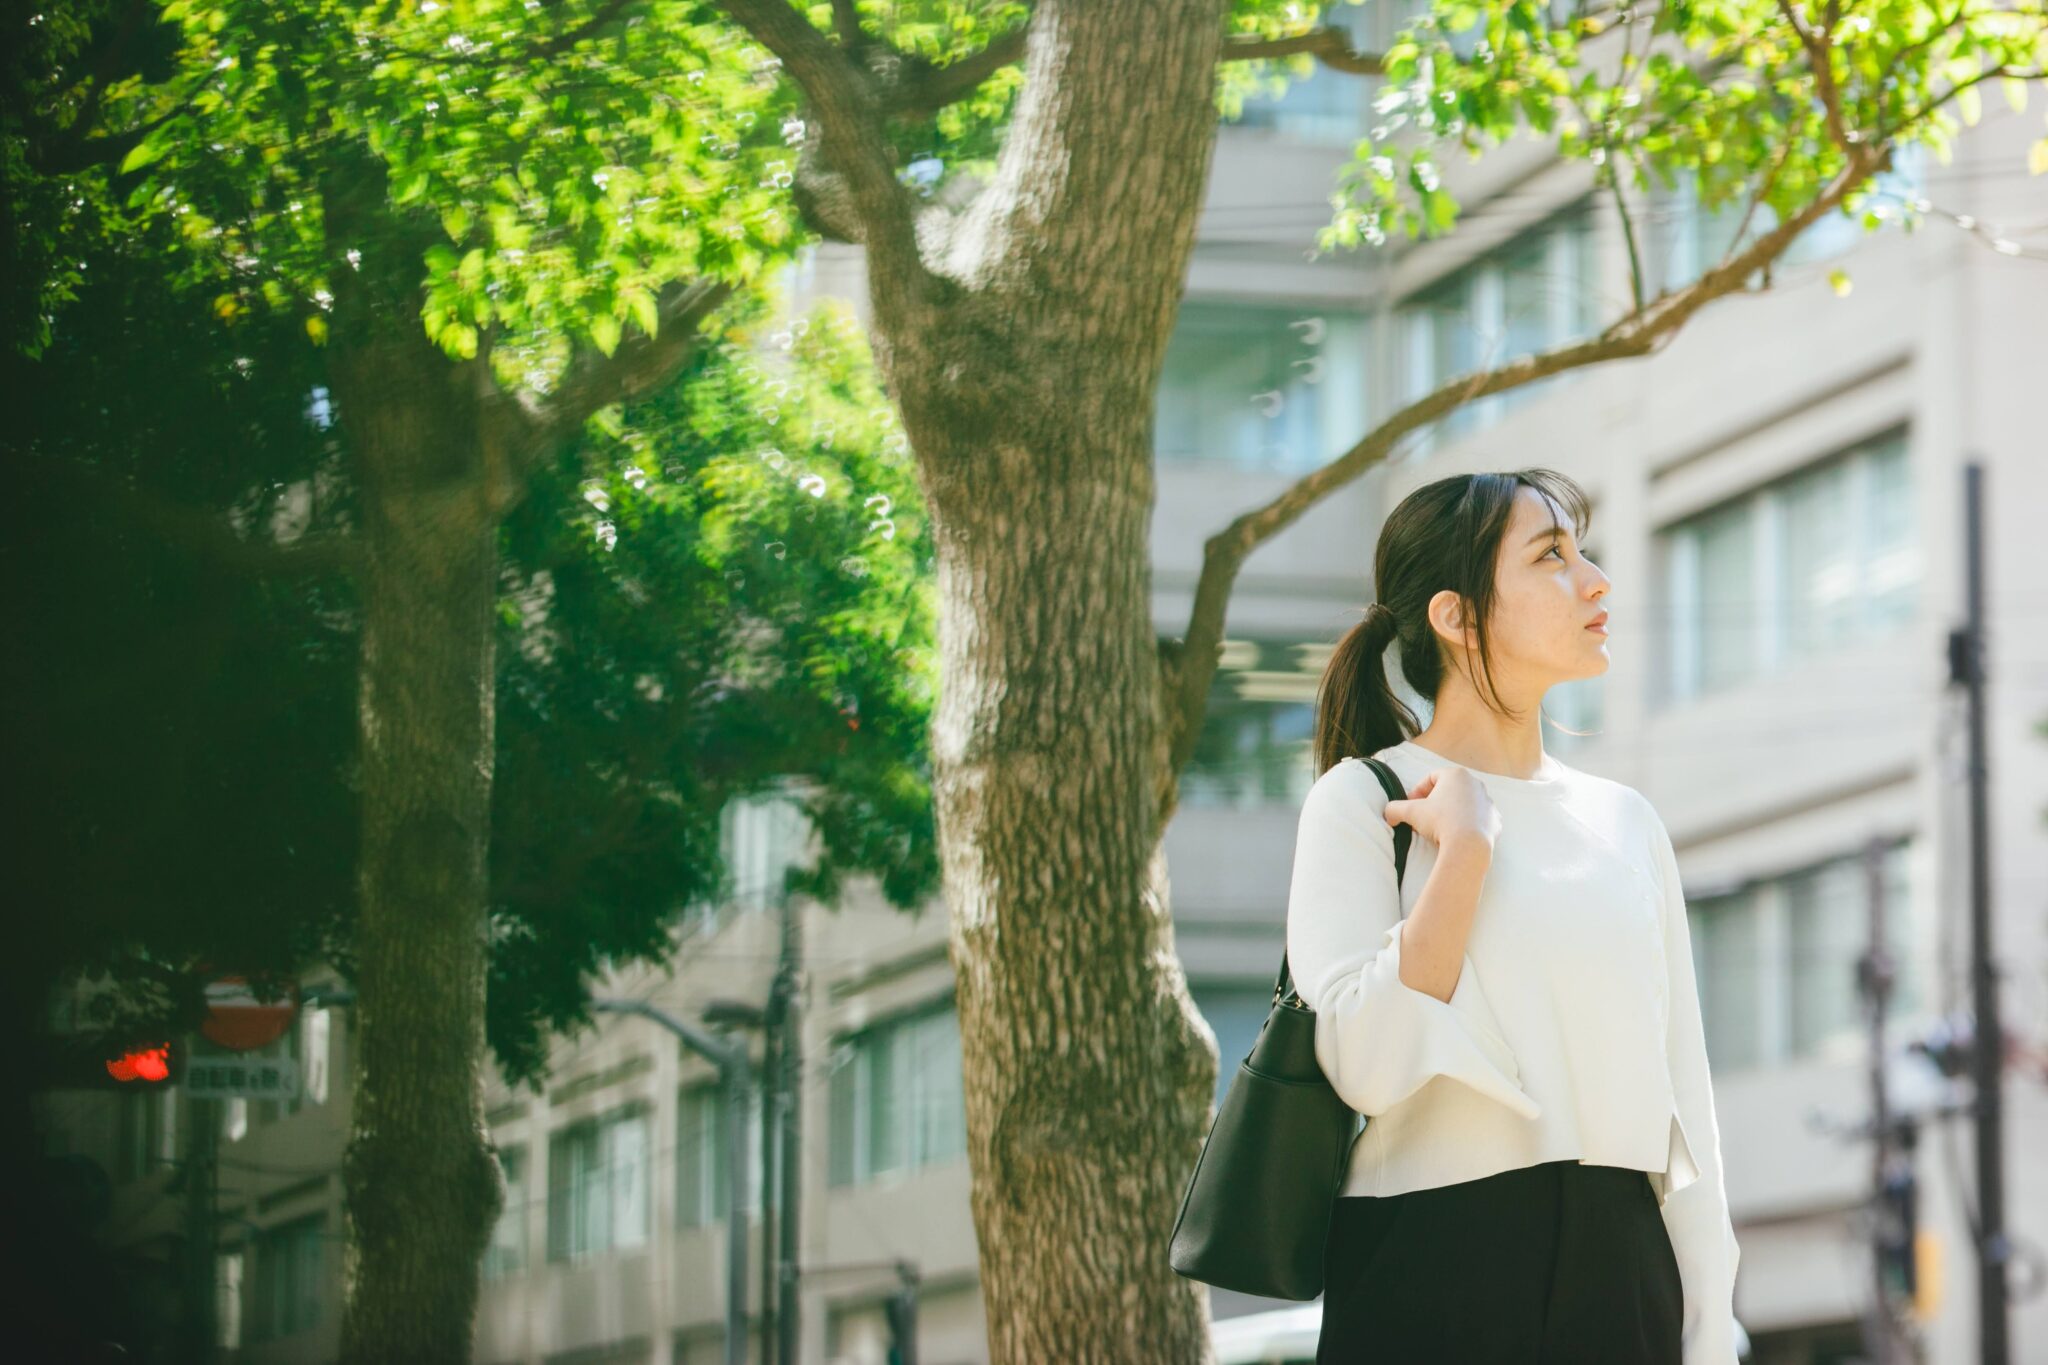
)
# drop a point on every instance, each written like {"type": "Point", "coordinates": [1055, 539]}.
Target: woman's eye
{"type": "Point", "coordinates": [1557, 550]}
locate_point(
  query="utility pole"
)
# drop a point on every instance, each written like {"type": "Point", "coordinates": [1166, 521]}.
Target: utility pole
{"type": "Point", "coordinates": [1892, 1188]}
{"type": "Point", "coordinates": [771, 1082]}
{"type": "Point", "coordinates": [786, 1010]}
{"type": "Point", "coordinates": [201, 1151]}
{"type": "Point", "coordinates": [1967, 668]}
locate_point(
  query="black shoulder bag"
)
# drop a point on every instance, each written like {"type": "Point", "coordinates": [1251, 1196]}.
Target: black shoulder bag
{"type": "Point", "coordinates": [1257, 1208]}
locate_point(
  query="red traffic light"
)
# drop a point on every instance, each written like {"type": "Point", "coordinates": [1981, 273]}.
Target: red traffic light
{"type": "Point", "coordinates": [148, 1066]}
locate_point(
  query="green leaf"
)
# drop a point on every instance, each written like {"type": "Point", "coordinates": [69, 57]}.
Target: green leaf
{"type": "Point", "coordinates": [604, 333]}
{"type": "Point", "coordinates": [1970, 105]}
{"type": "Point", "coordinates": [2037, 157]}
{"type": "Point", "coordinates": [641, 304]}
{"type": "Point", "coordinates": [143, 153]}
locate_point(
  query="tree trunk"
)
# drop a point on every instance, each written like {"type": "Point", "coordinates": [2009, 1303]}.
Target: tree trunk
{"type": "Point", "coordinates": [1028, 399]}
{"type": "Point", "coordinates": [422, 1185]}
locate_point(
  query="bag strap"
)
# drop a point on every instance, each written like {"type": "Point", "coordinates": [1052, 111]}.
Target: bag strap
{"type": "Point", "coordinates": [1404, 834]}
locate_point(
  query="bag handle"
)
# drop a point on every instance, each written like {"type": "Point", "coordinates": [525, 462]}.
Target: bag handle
{"type": "Point", "coordinates": [1404, 834]}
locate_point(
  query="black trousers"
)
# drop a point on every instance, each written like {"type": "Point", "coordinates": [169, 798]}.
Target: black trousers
{"type": "Point", "coordinates": [1554, 1264]}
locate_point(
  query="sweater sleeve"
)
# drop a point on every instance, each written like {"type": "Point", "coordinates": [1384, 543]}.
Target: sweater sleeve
{"type": "Point", "coordinates": [1377, 1039]}
{"type": "Point", "coordinates": [1696, 1215]}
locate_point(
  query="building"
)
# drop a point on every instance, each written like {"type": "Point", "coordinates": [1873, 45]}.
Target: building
{"type": "Point", "coordinates": [1778, 501]}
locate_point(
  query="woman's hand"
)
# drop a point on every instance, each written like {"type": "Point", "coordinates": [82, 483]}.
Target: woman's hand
{"type": "Point", "coordinates": [1448, 806]}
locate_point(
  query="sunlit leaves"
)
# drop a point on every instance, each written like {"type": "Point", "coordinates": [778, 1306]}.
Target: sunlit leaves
{"type": "Point", "coordinates": [574, 157]}
{"type": "Point", "coordinates": [1726, 90]}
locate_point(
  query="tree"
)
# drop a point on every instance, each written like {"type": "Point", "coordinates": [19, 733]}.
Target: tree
{"type": "Point", "coordinates": [468, 206]}
{"type": "Point", "coordinates": [1020, 325]}
{"type": "Point", "coordinates": [306, 323]}
{"type": "Point", "coordinates": [1021, 322]}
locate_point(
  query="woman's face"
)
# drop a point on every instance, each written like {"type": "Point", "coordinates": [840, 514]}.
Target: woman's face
{"type": "Point", "coordinates": [1547, 595]}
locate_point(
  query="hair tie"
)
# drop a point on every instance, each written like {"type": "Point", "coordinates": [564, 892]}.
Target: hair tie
{"type": "Point", "coordinates": [1380, 616]}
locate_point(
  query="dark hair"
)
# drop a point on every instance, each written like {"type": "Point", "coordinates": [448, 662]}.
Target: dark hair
{"type": "Point", "coordinates": [1444, 535]}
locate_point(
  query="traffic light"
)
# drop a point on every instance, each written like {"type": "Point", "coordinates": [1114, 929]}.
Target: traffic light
{"type": "Point", "coordinates": [1899, 1240]}
{"type": "Point", "coordinates": [88, 1062]}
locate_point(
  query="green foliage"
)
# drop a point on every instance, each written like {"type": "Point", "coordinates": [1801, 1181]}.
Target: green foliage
{"type": "Point", "coordinates": [728, 587]}
{"type": "Point", "coordinates": [553, 166]}
{"type": "Point", "coordinates": [1724, 88]}
{"type": "Point", "coordinates": [189, 728]}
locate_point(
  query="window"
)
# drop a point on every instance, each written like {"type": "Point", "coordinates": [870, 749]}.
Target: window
{"type": "Point", "coordinates": [290, 1263]}
{"type": "Point", "coordinates": [761, 836]}
{"type": "Point", "coordinates": [149, 1132]}
{"type": "Point", "coordinates": [1685, 237]}
{"type": "Point", "coordinates": [703, 1181]}
{"type": "Point", "coordinates": [597, 1185]}
{"type": "Point", "coordinates": [896, 1097]}
{"type": "Point", "coordinates": [765, 835]}
{"type": "Point", "coordinates": [306, 1042]}
{"type": "Point", "coordinates": [1534, 293]}
{"type": "Point", "coordinates": [506, 1255]}
{"type": "Point", "coordinates": [1255, 744]}
{"type": "Point", "coordinates": [1261, 387]}
{"type": "Point", "coordinates": [1324, 105]}
{"type": "Point", "coordinates": [1728, 960]}
{"type": "Point", "coordinates": [1777, 960]}
{"type": "Point", "coordinates": [1825, 558]}
{"type": "Point", "coordinates": [227, 1300]}
{"type": "Point", "coordinates": [1688, 238]}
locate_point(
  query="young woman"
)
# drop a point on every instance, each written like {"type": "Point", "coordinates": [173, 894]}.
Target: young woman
{"type": "Point", "coordinates": [1540, 1179]}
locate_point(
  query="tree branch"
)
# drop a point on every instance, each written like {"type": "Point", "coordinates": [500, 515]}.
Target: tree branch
{"type": "Point", "coordinates": [1642, 332]}
{"type": "Point", "coordinates": [932, 88]}
{"type": "Point", "coordinates": [1330, 46]}
{"type": "Point", "coordinates": [208, 534]}
{"type": "Point", "coordinates": [594, 381]}
{"type": "Point", "coordinates": [853, 140]}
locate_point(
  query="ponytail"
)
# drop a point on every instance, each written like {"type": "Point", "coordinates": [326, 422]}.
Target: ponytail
{"type": "Point", "coordinates": [1357, 713]}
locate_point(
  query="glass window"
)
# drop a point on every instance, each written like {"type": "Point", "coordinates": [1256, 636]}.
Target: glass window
{"type": "Point", "coordinates": [1727, 596]}
{"type": "Point", "coordinates": [227, 1302]}
{"type": "Point", "coordinates": [506, 1255]}
{"type": "Point", "coordinates": [1323, 105]}
{"type": "Point", "coordinates": [1828, 909]}
{"type": "Point", "coordinates": [896, 1097]}
{"type": "Point", "coordinates": [1687, 238]}
{"type": "Point", "coordinates": [1818, 549]}
{"type": "Point", "coordinates": [1533, 294]}
{"type": "Point", "coordinates": [703, 1180]}
{"type": "Point", "coordinates": [290, 1262]}
{"type": "Point", "coordinates": [149, 1132]}
{"type": "Point", "coordinates": [597, 1185]}
{"type": "Point", "coordinates": [1255, 744]}
{"type": "Point", "coordinates": [1777, 961]}
{"type": "Point", "coordinates": [1824, 558]}
{"type": "Point", "coordinates": [1728, 961]}
{"type": "Point", "coordinates": [1261, 387]}
{"type": "Point", "coordinates": [1889, 570]}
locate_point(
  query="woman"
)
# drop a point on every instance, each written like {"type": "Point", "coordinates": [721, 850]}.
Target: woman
{"type": "Point", "coordinates": [1540, 1179]}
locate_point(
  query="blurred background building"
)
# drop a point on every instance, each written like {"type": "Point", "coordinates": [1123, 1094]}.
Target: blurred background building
{"type": "Point", "coordinates": [1778, 501]}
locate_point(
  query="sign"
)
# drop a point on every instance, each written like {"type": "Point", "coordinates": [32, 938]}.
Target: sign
{"type": "Point", "coordinates": [241, 1078]}
{"type": "Point", "coordinates": [237, 1020]}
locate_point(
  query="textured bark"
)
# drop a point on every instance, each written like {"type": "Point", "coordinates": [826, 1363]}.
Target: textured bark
{"type": "Point", "coordinates": [1026, 376]}
{"type": "Point", "coordinates": [422, 1186]}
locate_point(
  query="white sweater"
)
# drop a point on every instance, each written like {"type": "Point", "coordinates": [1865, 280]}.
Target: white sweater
{"type": "Point", "coordinates": [1574, 1029]}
